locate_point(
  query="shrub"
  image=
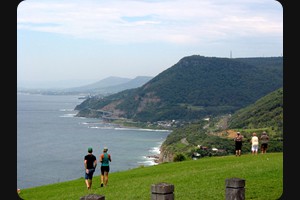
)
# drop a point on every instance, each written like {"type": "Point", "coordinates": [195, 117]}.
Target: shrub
{"type": "Point", "coordinates": [179, 157]}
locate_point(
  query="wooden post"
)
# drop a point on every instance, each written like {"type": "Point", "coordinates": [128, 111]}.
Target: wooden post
{"type": "Point", "coordinates": [235, 189]}
{"type": "Point", "coordinates": [162, 191]}
{"type": "Point", "coordinates": [93, 197]}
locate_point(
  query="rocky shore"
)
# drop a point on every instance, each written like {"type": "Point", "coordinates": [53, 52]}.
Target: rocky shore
{"type": "Point", "coordinates": [155, 158]}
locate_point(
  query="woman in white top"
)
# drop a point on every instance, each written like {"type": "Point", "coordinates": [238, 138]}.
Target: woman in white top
{"type": "Point", "coordinates": [254, 144]}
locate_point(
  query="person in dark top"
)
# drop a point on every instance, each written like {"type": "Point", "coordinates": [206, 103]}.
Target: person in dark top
{"type": "Point", "coordinates": [264, 140]}
{"type": "Point", "coordinates": [104, 159]}
{"type": "Point", "coordinates": [90, 164]}
{"type": "Point", "coordinates": [238, 144]}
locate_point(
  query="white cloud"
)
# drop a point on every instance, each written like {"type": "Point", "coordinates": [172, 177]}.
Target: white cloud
{"type": "Point", "coordinates": [182, 22]}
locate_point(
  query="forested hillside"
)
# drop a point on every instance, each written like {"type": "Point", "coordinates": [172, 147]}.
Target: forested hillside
{"type": "Point", "coordinates": [265, 112]}
{"type": "Point", "coordinates": [193, 88]}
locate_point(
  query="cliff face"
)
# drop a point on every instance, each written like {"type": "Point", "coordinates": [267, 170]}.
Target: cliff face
{"type": "Point", "coordinates": [165, 155]}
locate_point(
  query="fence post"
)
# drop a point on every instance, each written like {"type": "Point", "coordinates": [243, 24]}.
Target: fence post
{"type": "Point", "coordinates": [235, 189]}
{"type": "Point", "coordinates": [93, 197]}
{"type": "Point", "coordinates": [162, 191]}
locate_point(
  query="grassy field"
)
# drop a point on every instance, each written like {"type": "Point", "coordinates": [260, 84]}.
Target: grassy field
{"type": "Point", "coordinates": [192, 180]}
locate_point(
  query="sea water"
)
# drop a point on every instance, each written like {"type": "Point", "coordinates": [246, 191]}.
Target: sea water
{"type": "Point", "coordinates": [52, 142]}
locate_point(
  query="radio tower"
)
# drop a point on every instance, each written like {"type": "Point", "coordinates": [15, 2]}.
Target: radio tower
{"type": "Point", "coordinates": [230, 54]}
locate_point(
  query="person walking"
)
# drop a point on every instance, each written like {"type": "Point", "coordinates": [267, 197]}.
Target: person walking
{"type": "Point", "coordinates": [104, 159]}
{"type": "Point", "coordinates": [254, 144]}
{"type": "Point", "coordinates": [90, 164]}
{"type": "Point", "coordinates": [238, 144]}
{"type": "Point", "coordinates": [264, 138]}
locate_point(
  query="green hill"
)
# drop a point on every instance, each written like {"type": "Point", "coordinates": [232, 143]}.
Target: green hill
{"type": "Point", "coordinates": [266, 114]}
{"type": "Point", "coordinates": [194, 179]}
{"type": "Point", "coordinates": [195, 87]}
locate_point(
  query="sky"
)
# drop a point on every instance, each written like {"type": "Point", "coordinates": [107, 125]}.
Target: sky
{"type": "Point", "coordinates": [64, 43]}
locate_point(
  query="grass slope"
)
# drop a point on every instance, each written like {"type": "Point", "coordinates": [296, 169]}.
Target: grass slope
{"type": "Point", "coordinates": [194, 179]}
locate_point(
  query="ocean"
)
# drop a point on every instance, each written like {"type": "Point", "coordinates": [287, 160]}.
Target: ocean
{"type": "Point", "coordinates": [52, 142]}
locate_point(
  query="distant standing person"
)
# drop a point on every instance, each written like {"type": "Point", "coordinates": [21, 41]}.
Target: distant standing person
{"type": "Point", "coordinates": [264, 139]}
{"type": "Point", "coordinates": [90, 164]}
{"type": "Point", "coordinates": [254, 144]}
{"type": "Point", "coordinates": [104, 159]}
{"type": "Point", "coordinates": [238, 144]}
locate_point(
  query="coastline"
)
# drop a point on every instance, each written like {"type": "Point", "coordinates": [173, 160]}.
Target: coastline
{"type": "Point", "coordinates": [125, 123]}
{"type": "Point", "coordinates": [129, 126]}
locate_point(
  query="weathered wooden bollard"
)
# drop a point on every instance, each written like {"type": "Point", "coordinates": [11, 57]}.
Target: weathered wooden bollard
{"type": "Point", "coordinates": [235, 189]}
{"type": "Point", "coordinates": [93, 197]}
{"type": "Point", "coordinates": [162, 191]}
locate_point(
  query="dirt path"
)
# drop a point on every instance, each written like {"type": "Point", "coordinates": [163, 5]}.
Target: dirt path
{"type": "Point", "coordinates": [226, 133]}
{"type": "Point", "coordinates": [231, 133]}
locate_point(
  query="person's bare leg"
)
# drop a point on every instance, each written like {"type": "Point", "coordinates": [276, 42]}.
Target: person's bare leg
{"type": "Point", "coordinates": [87, 184]}
{"type": "Point", "coordinates": [105, 178]}
{"type": "Point", "coordinates": [101, 180]}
